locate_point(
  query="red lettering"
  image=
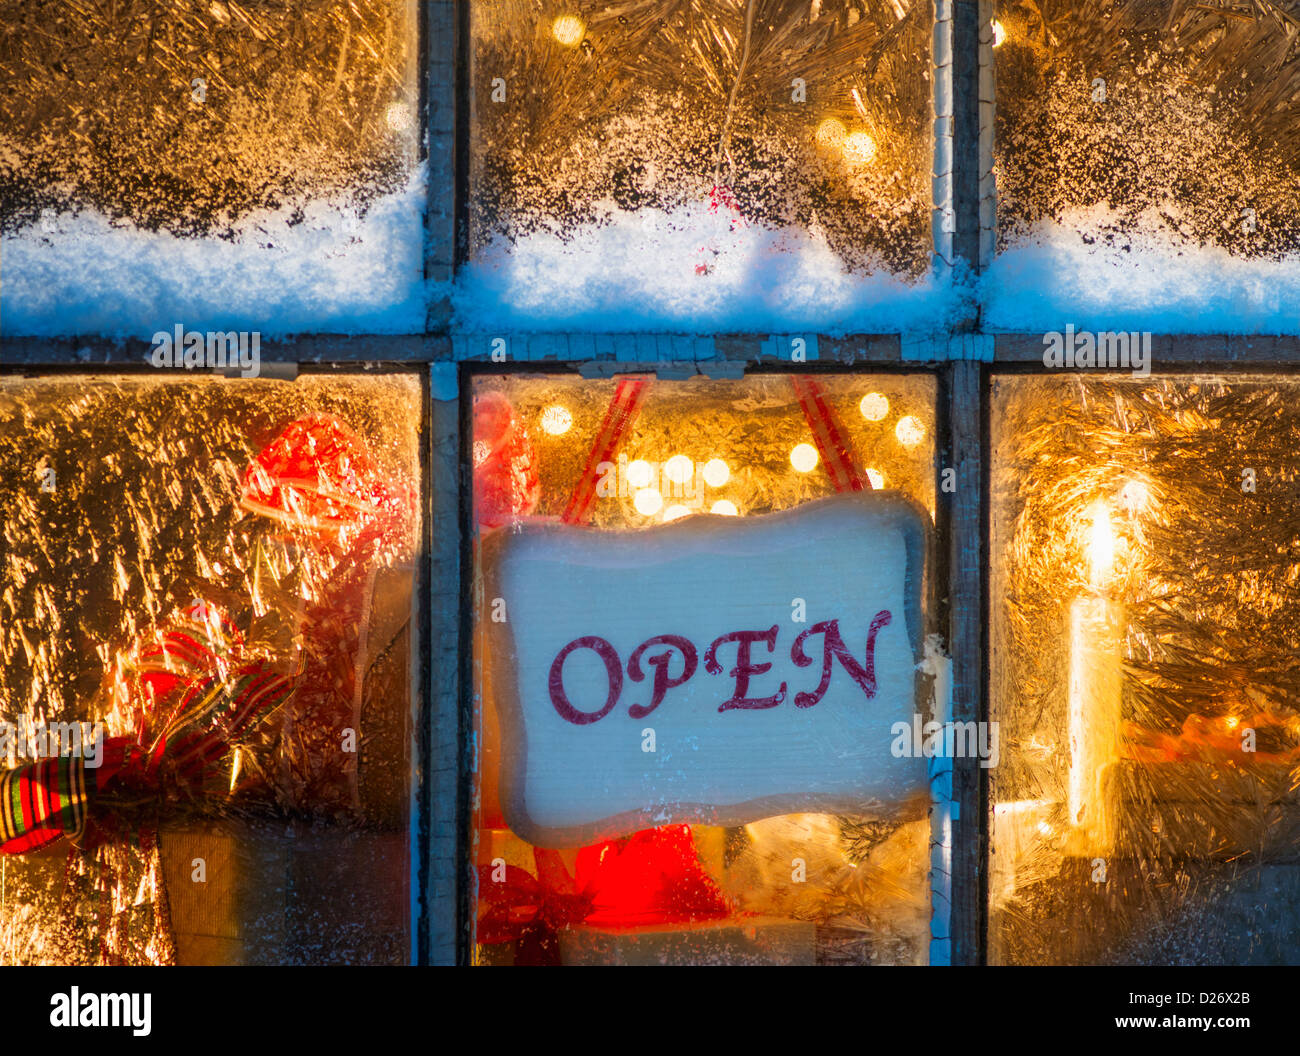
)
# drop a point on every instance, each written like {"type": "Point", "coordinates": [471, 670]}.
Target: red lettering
{"type": "Point", "coordinates": [614, 667]}
{"type": "Point", "coordinates": [663, 682]}
{"type": "Point", "coordinates": [833, 648]}
{"type": "Point", "coordinates": [745, 668]}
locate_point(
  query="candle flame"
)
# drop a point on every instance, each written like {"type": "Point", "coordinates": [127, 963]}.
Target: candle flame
{"type": "Point", "coordinates": [1101, 545]}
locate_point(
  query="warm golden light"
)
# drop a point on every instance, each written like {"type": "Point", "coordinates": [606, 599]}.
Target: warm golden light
{"type": "Point", "coordinates": [859, 148]}
{"type": "Point", "coordinates": [877, 479]}
{"type": "Point", "coordinates": [831, 133]}
{"type": "Point", "coordinates": [556, 420]}
{"type": "Point", "coordinates": [874, 406]}
{"type": "Point", "coordinates": [639, 473]}
{"type": "Point", "coordinates": [674, 513]}
{"type": "Point", "coordinates": [569, 30]}
{"type": "Point", "coordinates": [648, 502]}
{"type": "Point", "coordinates": [679, 469]}
{"type": "Point", "coordinates": [716, 473]}
{"type": "Point", "coordinates": [1134, 497]}
{"type": "Point", "coordinates": [804, 458]}
{"type": "Point", "coordinates": [999, 33]}
{"type": "Point", "coordinates": [910, 430]}
{"type": "Point", "coordinates": [400, 117]}
{"type": "Point", "coordinates": [1101, 544]}
{"type": "Point", "coordinates": [725, 508]}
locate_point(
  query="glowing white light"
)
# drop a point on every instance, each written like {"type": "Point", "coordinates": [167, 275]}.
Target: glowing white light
{"type": "Point", "coordinates": [724, 508]}
{"type": "Point", "coordinates": [877, 479]}
{"type": "Point", "coordinates": [569, 30]}
{"type": "Point", "coordinates": [716, 473]}
{"type": "Point", "coordinates": [831, 133]}
{"type": "Point", "coordinates": [674, 513]}
{"type": "Point", "coordinates": [859, 148]}
{"type": "Point", "coordinates": [910, 430]}
{"type": "Point", "coordinates": [804, 458]}
{"type": "Point", "coordinates": [400, 117]}
{"type": "Point", "coordinates": [874, 406]}
{"type": "Point", "coordinates": [481, 451]}
{"type": "Point", "coordinates": [640, 473]}
{"type": "Point", "coordinates": [648, 502]}
{"type": "Point", "coordinates": [999, 33]}
{"type": "Point", "coordinates": [679, 469]}
{"type": "Point", "coordinates": [1101, 544]}
{"type": "Point", "coordinates": [557, 420]}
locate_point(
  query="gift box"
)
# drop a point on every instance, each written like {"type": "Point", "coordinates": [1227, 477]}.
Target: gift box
{"type": "Point", "coordinates": [736, 940]}
{"type": "Point", "coordinates": [255, 892]}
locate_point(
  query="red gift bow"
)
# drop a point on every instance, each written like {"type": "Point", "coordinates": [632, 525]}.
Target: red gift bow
{"type": "Point", "coordinates": [318, 475]}
{"type": "Point", "coordinates": [651, 877]}
{"type": "Point", "coordinates": [200, 696]}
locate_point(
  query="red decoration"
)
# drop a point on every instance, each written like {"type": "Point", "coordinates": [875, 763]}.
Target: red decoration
{"type": "Point", "coordinates": [651, 877]}
{"type": "Point", "coordinates": [318, 475]}
{"type": "Point", "coordinates": [506, 483]}
{"type": "Point", "coordinates": [318, 478]}
{"type": "Point", "coordinates": [721, 201]}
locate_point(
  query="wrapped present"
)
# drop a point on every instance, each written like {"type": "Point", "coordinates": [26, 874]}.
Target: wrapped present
{"type": "Point", "coordinates": [212, 720]}
{"type": "Point", "coordinates": [737, 940]}
{"type": "Point", "coordinates": [259, 892]}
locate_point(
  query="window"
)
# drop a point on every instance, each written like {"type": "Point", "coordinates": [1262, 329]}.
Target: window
{"type": "Point", "coordinates": [207, 588]}
{"type": "Point", "coordinates": [408, 354]}
{"type": "Point", "coordinates": [1143, 572]}
{"type": "Point", "coordinates": [699, 166]}
{"type": "Point", "coordinates": [222, 165]}
{"type": "Point", "coordinates": [1146, 166]}
{"type": "Point", "coordinates": [623, 824]}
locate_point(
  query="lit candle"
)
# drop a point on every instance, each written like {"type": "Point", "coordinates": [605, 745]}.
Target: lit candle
{"type": "Point", "coordinates": [1096, 658]}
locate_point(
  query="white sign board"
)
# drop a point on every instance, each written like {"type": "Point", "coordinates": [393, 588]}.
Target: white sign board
{"type": "Point", "coordinates": [713, 670]}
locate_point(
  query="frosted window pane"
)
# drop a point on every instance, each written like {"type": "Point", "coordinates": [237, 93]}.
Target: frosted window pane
{"type": "Point", "coordinates": [691, 893]}
{"type": "Point", "coordinates": [637, 163]}
{"type": "Point", "coordinates": [1143, 559]}
{"type": "Point", "coordinates": [210, 164]}
{"type": "Point", "coordinates": [1147, 160]}
{"type": "Point", "coordinates": [123, 503]}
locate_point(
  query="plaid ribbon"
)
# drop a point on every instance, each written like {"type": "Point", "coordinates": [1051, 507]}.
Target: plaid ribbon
{"type": "Point", "coordinates": [51, 798]}
{"type": "Point", "coordinates": [41, 802]}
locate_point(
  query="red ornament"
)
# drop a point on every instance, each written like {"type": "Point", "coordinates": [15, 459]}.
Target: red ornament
{"type": "Point", "coordinates": [654, 876]}
{"type": "Point", "coordinates": [318, 475]}
{"type": "Point", "coordinates": [506, 482]}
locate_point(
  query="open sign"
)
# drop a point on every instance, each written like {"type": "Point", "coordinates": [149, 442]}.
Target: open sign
{"type": "Point", "coordinates": [714, 669]}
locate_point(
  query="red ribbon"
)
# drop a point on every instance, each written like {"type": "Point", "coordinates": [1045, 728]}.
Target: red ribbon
{"type": "Point", "coordinates": [619, 417]}
{"type": "Point", "coordinates": [830, 436]}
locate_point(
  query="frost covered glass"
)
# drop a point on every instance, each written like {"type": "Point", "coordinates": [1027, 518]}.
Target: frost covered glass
{"type": "Point", "coordinates": [675, 544]}
{"type": "Point", "coordinates": [1144, 675]}
{"type": "Point", "coordinates": [210, 162]}
{"type": "Point", "coordinates": [1148, 165]}
{"type": "Point", "coordinates": [741, 164]}
{"type": "Point", "coordinates": [205, 599]}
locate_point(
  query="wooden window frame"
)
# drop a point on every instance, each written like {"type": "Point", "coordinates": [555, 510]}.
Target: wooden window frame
{"type": "Point", "coordinates": [964, 360]}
